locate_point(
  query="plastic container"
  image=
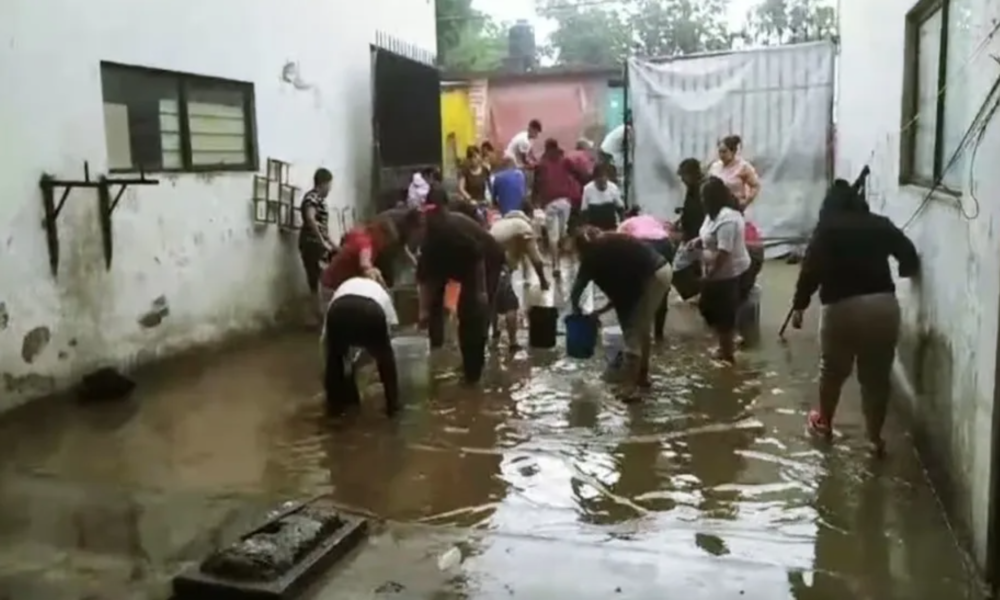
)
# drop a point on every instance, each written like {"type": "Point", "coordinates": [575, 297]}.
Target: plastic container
{"type": "Point", "coordinates": [748, 318]}
{"type": "Point", "coordinates": [543, 326]}
{"type": "Point", "coordinates": [613, 341]}
{"type": "Point", "coordinates": [581, 335]}
{"type": "Point", "coordinates": [412, 353]}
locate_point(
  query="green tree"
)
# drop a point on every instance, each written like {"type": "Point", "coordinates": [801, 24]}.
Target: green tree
{"type": "Point", "coordinates": [607, 34]}
{"type": "Point", "coordinates": [776, 22]}
{"type": "Point", "coordinates": [467, 39]}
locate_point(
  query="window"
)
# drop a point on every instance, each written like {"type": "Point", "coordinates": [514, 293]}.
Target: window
{"type": "Point", "coordinates": [935, 114]}
{"type": "Point", "coordinates": [163, 121]}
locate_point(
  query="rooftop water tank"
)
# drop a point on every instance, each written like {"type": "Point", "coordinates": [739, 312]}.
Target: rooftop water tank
{"type": "Point", "coordinates": [521, 44]}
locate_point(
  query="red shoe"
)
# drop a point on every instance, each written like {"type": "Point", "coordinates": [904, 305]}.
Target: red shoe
{"type": "Point", "coordinates": [818, 426]}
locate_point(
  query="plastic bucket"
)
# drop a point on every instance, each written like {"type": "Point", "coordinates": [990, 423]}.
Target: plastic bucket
{"type": "Point", "coordinates": [543, 326]}
{"type": "Point", "coordinates": [412, 353]}
{"type": "Point", "coordinates": [581, 335]}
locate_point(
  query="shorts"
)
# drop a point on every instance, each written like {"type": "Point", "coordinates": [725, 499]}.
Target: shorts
{"type": "Point", "coordinates": [506, 299]}
{"type": "Point", "coordinates": [720, 302]}
{"type": "Point", "coordinates": [557, 215]}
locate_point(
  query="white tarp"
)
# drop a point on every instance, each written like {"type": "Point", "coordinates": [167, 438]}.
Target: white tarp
{"type": "Point", "coordinates": [778, 100]}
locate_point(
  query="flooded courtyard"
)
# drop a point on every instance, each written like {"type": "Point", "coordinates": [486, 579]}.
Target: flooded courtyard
{"type": "Point", "coordinates": [538, 484]}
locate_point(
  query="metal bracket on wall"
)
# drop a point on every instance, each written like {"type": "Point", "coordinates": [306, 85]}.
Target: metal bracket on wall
{"type": "Point", "coordinates": [106, 204]}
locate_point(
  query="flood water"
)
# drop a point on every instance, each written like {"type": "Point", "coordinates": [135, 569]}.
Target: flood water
{"type": "Point", "coordinates": [542, 480]}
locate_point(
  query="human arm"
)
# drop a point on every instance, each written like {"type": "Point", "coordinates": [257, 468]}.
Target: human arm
{"type": "Point", "coordinates": [751, 182]}
{"type": "Point", "coordinates": [808, 281]}
{"type": "Point", "coordinates": [585, 199]}
{"type": "Point", "coordinates": [535, 256]}
{"type": "Point", "coordinates": [583, 278]}
{"type": "Point", "coordinates": [727, 236]}
{"type": "Point", "coordinates": [462, 190]}
{"type": "Point", "coordinates": [903, 250]}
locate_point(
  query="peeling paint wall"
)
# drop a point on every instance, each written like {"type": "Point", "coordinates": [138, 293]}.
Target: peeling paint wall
{"type": "Point", "coordinates": [189, 266]}
{"type": "Point", "coordinates": [946, 367]}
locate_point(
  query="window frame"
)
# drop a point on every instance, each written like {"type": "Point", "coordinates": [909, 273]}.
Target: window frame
{"type": "Point", "coordinates": [184, 81]}
{"type": "Point", "coordinates": [915, 18]}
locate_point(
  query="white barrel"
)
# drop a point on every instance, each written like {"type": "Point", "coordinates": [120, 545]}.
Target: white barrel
{"type": "Point", "coordinates": [613, 340]}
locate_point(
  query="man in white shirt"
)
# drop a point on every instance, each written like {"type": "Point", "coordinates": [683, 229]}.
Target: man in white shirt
{"type": "Point", "coordinates": [602, 202]}
{"type": "Point", "coordinates": [521, 146]}
{"type": "Point", "coordinates": [360, 316]}
{"type": "Point", "coordinates": [517, 236]}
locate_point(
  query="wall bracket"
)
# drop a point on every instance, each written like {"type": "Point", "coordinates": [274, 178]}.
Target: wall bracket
{"type": "Point", "coordinates": [49, 185]}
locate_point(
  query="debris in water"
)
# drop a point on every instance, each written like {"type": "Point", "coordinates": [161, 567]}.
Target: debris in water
{"type": "Point", "coordinates": [450, 559]}
{"type": "Point", "coordinates": [777, 391]}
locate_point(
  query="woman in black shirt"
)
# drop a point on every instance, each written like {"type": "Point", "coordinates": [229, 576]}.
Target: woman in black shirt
{"type": "Point", "coordinates": [847, 261]}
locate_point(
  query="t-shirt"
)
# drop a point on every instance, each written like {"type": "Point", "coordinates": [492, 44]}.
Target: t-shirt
{"type": "Point", "coordinates": [643, 227]}
{"type": "Point", "coordinates": [510, 188]}
{"type": "Point", "coordinates": [313, 199]}
{"type": "Point", "coordinates": [593, 196]}
{"type": "Point", "coordinates": [620, 266]}
{"type": "Point", "coordinates": [453, 245]}
{"type": "Point", "coordinates": [726, 232]}
{"type": "Point", "coordinates": [371, 289]}
{"type": "Point", "coordinates": [516, 234]}
{"type": "Point", "coordinates": [520, 145]}
{"type": "Point", "coordinates": [347, 263]}
{"type": "Point", "coordinates": [614, 144]}
{"type": "Point", "coordinates": [476, 183]}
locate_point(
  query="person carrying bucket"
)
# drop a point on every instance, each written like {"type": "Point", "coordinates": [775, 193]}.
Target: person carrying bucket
{"type": "Point", "coordinates": [456, 248]}
{"type": "Point", "coordinates": [635, 278]}
{"type": "Point", "coordinates": [517, 236]}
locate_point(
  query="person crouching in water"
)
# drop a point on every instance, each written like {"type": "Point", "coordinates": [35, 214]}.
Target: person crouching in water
{"type": "Point", "coordinates": [635, 278]}
{"type": "Point", "coordinates": [360, 316]}
{"type": "Point", "coordinates": [457, 248]}
{"type": "Point", "coordinates": [726, 265]}
{"type": "Point", "coordinates": [847, 260]}
{"type": "Point", "coordinates": [653, 233]}
{"type": "Point", "coordinates": [602, 201]}
{"type": "Point", "coordinates": [515, 234]}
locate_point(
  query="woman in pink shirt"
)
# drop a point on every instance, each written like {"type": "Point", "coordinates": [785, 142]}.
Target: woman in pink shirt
{"type": "Point", "coordinates": [656, 235]}
{"type": "Point", "coordinates": [735, 171]}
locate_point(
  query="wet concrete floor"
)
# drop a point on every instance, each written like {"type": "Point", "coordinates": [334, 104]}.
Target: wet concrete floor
{"type": "Point", "coordinates": [541, 482]}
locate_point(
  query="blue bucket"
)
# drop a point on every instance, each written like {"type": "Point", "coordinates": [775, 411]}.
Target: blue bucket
{"type": "Point", "coordinates": [581, 335]}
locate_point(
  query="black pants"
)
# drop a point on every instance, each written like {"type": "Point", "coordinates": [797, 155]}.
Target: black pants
{"type": "Point", "coordinates": [357, 322]}
{"type": "Point", "coordinates": [312, 255]}
{"type": "Point", "coordinates": [474, 318]}
{"type": "Point", "coordinates": [665, 249]}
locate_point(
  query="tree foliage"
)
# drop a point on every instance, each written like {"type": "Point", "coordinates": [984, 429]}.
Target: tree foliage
{"type": "Point", "coordinates": [467, 39]}
{"type": "Point", "coordinates": [596, 33]}
{"type": "Point", "coordinates": [775, 22]}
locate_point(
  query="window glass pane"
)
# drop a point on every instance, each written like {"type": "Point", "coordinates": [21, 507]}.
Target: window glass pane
{"type": "Point", "coordinates": [928, 61]}
{"type": "Point", "coordinates": [217, 120]}
{"type": "Point", "coordinates": [133, 101]}
{"type": "Point", "coordinates": [956, 105]}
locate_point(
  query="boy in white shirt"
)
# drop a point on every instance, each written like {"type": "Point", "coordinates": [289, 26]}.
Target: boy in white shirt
{"type": "Point", "coordinates": [520, 148]}
{"type": "Point", "coordinates": [602, 202]}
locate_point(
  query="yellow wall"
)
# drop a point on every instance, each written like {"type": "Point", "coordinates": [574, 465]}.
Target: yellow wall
{"type": "Point", "coordinates": [458, 123]}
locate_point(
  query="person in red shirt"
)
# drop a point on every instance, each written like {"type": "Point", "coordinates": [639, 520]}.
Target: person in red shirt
{"type": "Point", "coordinates": [359, 252]}
{"type": "Point", "coordinates": [557, 182]}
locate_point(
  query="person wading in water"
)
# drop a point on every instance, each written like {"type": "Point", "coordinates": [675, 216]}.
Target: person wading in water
{"type": "Point", "coordinates": [847, 260]}
{"type": "Point", "coordinates": [315, 244]}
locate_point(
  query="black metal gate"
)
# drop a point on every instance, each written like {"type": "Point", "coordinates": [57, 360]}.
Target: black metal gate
{"type": "Point", "coordinates": [406, 127]}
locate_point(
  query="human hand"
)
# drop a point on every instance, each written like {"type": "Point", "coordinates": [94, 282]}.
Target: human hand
{"type": "Point", "coordinates": [797, 316]}
{"type": "Point", "coordinates": [376, 275]}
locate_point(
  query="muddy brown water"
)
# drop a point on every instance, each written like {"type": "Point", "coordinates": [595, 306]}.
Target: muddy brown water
{"type": "Point", "coordinates": [548, 484]}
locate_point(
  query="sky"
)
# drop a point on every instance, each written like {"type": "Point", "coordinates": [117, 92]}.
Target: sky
{"type": "Point", "coordinates": [512, 10]}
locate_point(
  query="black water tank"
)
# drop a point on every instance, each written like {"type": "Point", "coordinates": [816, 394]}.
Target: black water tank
{"type": "Point", "coordinates": [521, 44]}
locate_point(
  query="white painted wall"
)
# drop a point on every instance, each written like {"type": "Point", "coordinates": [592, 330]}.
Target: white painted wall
{"type": "Point", "coordinates": [191, 239]}
{"type": "Point", "coordinates": [954, 306]}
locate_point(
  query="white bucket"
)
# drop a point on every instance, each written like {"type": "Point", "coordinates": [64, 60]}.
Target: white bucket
{"type": "Point", "coordinates": [613, 340]}
{"type": "Point", "coordinates": [413, 369]}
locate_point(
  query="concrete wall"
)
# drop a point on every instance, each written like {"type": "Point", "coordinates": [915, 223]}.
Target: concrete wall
{"type": "Point", "coordinates": [190, 241]}
{"type": "Point", "coordinates": [947, 360]}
